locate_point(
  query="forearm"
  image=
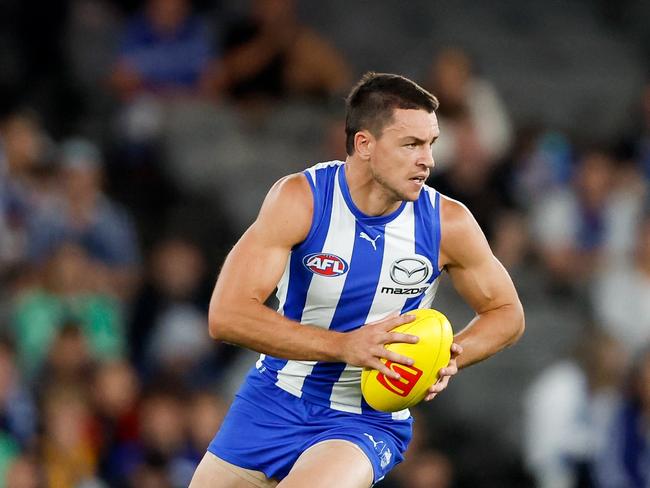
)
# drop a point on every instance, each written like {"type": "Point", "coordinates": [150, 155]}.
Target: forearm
{"type": "Point", "coordinates": [489, 333]}
{"type": "Point", "coordinates": [261, 329]}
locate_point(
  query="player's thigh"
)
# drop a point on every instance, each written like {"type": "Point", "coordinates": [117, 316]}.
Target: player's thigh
{"type": "Point", "coordinates": [213, 472]}
{"type": "Point", "coordinates": [330, 463]}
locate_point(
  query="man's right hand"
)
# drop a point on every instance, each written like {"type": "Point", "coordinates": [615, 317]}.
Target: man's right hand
{"type": "Point", "coordinates": [365, 346]}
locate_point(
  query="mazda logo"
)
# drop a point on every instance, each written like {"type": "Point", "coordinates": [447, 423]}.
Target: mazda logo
{"type": "Point", "coordinates": [409, 271]}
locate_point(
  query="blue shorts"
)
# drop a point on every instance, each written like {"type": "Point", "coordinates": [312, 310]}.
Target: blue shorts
{"type": "Point", "coordinates": [267, 429]}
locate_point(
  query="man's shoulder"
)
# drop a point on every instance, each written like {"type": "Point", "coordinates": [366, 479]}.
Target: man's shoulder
{"type": "Point", "coordinates": [454, 212]}
{"type": "Point", "coordinates": [290, 195]}
{"type": "Point", "coordinates": [290, 187]}
{"type": "Point", "coordinates": [326, 166]}
{"type": "Point", "coordinates": [460, 233]}
{"type": "Point", "coordinates": [285, 216]}
{"type": "Point", "coordinates": [334, 163]}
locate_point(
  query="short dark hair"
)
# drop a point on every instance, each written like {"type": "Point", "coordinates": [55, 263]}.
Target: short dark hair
{"type": "Point", "coordinates": [373, 99]}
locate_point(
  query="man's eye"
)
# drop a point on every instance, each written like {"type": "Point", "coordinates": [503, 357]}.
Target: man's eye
{"type": "Point", "coordinates": [411, 145]}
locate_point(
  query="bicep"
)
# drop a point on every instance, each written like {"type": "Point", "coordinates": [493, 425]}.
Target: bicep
{"type": "Point", "coordinates": [484, 284]}
{"type": "Point", "coordinates": [256, 263]}
{"type": "Point", "coordinates": [476, 273]}
{"type": "Point", "coordinates": [253, 268]}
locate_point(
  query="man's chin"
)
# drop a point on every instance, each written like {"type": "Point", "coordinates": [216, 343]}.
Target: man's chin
{"type": "Point", "coordinates": [410, 196]}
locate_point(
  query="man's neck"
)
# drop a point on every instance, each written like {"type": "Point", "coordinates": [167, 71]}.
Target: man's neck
{"type": "Point", "coordinates": [366, 192]}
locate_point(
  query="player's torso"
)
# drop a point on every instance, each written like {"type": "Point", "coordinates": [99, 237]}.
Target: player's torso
{"type": "Point", "coordinates": [353, 269]}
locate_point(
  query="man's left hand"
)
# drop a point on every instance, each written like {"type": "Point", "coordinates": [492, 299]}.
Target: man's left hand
{"type": "Point", "coordinates": [445, 373]}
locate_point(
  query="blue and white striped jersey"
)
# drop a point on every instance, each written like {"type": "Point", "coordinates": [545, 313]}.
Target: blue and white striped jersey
{"type": "Point", "coordinates": [350, 270]}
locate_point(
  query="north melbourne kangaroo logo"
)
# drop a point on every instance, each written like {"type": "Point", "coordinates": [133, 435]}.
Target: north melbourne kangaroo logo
{"type": "Point", "coordinates": [382, 450]}
{"type": "Point", "coordinates": [365, 236]}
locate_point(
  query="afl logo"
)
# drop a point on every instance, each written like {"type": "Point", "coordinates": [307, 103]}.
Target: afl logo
{"type": "Point", "coordinates": [325, 264]}
{"type": "Point", "coordinates": [410, 271]}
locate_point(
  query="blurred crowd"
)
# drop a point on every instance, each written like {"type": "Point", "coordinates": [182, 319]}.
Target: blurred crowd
{"type": "Point", "coordinates": [136, 141]}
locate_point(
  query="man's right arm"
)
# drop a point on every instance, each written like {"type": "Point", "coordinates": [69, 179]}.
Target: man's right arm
{"type": "Point", "coordinates": [250, 274]}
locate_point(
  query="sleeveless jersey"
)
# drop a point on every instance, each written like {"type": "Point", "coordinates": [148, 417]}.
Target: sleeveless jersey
{"type": "Point", "coordinates": [350, 270]}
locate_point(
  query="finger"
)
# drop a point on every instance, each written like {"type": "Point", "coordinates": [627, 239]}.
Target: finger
{"type": "Point", "coordinates": [392, 322]}
{"type": "Point", "coordinates": [397, 358]}
{"type": "Point", "coordinates": [449, 370]}
{"type": "Point", "coordinates": [430, 397]}
{"type": "Point", "coordinates": [456, 349]}
{"type": "Point", "coordinates": [439, 385]}
{"type": "Point", "coordinates": [399, 337]}
{"type": "Point", "coordinates": [389, 316]}
{"type": "Point", "coordinates": [381, 367]}
{"type": "Point", "coordinates": [442, 383]}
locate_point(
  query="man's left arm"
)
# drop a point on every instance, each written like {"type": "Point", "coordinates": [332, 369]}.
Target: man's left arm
{"type": "Point", "coordinates": [484, 284]}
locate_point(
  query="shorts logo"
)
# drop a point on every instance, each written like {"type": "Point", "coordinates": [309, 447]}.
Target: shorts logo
{"type": "Point", "coordinates": [325, 264]}
{"type": "Point", "coordinates": [385, 458]}
{"type": "Point", "coordinates": [382, 450]}
{"type": "Point", "coordinates": [410, 271]}
{"type": "Point", "coordinates": [409, 376]}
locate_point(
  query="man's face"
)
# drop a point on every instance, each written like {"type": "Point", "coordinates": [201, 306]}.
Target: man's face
{"type": "Point", "coordinates": [400, 158]}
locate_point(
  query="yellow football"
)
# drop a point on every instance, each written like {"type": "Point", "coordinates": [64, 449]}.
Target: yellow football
{"type": "Point", "coordinates": [431, 353]}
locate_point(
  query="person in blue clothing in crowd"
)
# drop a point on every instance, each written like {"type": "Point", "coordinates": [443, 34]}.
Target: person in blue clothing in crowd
{"type": "Point", "coordinates": [165, 49]}
{"type": "Point", "coordinates": [85, 216]}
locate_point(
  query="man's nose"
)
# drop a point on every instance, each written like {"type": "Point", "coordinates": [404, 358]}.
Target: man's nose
{"type": "Point", "coordinates": [427, 158]}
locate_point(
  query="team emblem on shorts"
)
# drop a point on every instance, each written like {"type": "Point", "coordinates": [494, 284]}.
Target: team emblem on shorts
{"type": "Point", "coordinates": [325, 264]}
{"type": "Point", "coordinates": [410, 271]}
{"type": "Point", "coordinates": [382, 450]}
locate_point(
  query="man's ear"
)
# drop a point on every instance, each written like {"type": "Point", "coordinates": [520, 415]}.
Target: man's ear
{"type": "Point", "coordinates": [364, 142]}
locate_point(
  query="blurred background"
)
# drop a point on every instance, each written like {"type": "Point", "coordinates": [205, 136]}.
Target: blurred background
{"type": "Point", "coordinates": [138, 138]}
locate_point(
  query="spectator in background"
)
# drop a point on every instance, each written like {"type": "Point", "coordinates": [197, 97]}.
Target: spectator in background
{"type": "Point", "coordinates": [205, 413]}
{"type": "Point", "coordinates": [18, 415]}
{"type": "Point", "coordinates": [178, 347]}
{"type": "Point", "coordinates": [166, 49]}
{"type": "Point", "coordinates": [541, 162]}
{"type": "Point", "coordinates": [116, 398]}
{"type": "Point", "coordinates": [24, 472]}
{"type": "Point", "coordinates": [474, 178]}
{"type": "Point", "coordinates": [424, 466]}
{"type": "Point", "coordinates": [269, 55]}
{"type": "Point", "coordinates": [69, 359]}
{"type": "Point", "coordinates": [574, 225]}
{"type": "Point", "coordinates": [25, 183]}
{"type": "Point", "coordinates": [511, 240]}
{"type": "Point", "coordinates": [461, 93]}
{"type": "Point", "coordinates": [568, 409]}
{"type": "Point", "coordinates": [429, 469]}
{"type": "Point", "coordinates": [67, 291]}
{"type": "Point", "coordinates": [86, 216]}
{"type": "Point", "coordinates": [69, 452]}
{"type": "Point", "coordinates": [151, 474]}
{"type": "Point", "coordinates": [167, 55]}
{"type": "Point", "coordinates": [169, 315]}
{"type": "Point", "coordinates": [489, 190]}
{"type": "Point", "coordinates": [162, 440]}
{"type": "Point", "coordinates": [9, 451]}
{"type": "Point", "coordinates": [432, 469]}
{"type": "Point", "coordinates": [625, 458]}
{"type": "Point", "coordinates": [621, 295]}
